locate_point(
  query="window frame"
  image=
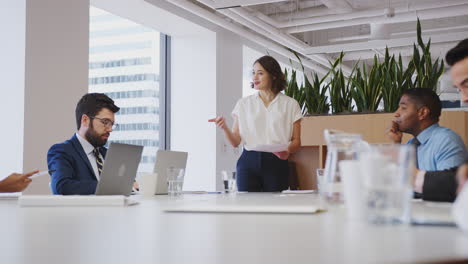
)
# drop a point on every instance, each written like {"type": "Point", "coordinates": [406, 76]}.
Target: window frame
{"type": "Point", "coordinates": [165, 92]}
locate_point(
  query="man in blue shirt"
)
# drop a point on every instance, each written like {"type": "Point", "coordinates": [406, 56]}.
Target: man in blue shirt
{"type": "Point", "coordinates": [442, 185]}
{"type": "Point", "coordinates": [438, 148]}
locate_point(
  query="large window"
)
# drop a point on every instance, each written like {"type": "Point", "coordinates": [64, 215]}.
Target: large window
{"type": "Point", "coordinates": [125, 63]}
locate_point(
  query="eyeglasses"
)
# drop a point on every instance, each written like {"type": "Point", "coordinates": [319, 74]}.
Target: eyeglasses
{"type": "Point", "coordinates": [106, 122]}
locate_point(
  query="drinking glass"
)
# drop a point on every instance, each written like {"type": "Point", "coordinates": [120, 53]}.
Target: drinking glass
{"type": "Point", "coordinates": [387, 171]}
{"type": "Point", "coordinates": [175, 181]}
{"type": "Point", "coordinates": [353, 189]}
{"type": "Point", "coordinates": [229, 181]}
{"type": "Point", "coordinates": [320, 173]}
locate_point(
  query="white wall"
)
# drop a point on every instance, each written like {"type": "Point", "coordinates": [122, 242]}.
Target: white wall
{"type": "Point", "coordinates": [57, 37]}
{"type": "Point", "coordinates": [12, 28]}
{"type": "Point", "coordinates": [193, 103]}
{"type": "Point", "coordinates": [229, 61]}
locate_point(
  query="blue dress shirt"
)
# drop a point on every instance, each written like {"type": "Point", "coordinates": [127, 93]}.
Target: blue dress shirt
{"type": "Point", "coordinates": [440, 149]}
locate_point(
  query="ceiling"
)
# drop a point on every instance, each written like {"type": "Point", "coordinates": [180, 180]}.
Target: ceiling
{"type": "Point", "coordinates": [320, 29]}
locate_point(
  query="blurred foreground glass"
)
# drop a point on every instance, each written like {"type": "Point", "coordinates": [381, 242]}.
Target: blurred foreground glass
{"type": "Point", "coordinates": [229, 181]}
{"type": "Point", "coordinates": [320, 179]}
{"type": "Point", "coordinates": [175, 181]}
{"type": "Point", "coordinates": [341, 146]}
{"type": "Point", "coordinates": [387, 171]}
{"type": "Point", "coordinates": [353, 189]}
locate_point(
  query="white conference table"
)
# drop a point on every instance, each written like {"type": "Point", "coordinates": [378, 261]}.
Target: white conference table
{"type": "Point", "coordinates": [144, 233]}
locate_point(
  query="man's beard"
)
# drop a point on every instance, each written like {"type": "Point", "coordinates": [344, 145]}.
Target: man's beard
{"type": "Point", "coordinates": [94, 138]}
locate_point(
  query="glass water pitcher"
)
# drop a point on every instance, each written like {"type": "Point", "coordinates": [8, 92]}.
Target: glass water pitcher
{"type": "Point", "coordinates": [341, 146]}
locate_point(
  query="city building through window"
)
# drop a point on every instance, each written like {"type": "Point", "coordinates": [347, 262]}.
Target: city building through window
{"type": "Point", "coordinates": [124, 63]}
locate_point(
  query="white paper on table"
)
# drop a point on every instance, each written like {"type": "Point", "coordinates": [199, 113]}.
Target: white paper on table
{"type": "Point", "coordinates": [6, 196]}
{"type": "Point", "coordinates": [74, 200]}
{"type": "Point", "coordinates": [459, 210]}
{"type": "Point", "coordinates": [271, 147]}
{"type": "Point", "coordinates": [432, 214]}
{"type": "Point", "coordinates": [209, 207]}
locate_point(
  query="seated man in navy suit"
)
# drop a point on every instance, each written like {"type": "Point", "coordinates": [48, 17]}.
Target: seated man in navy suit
{"type": "Point", "coordinates": [77, 162]}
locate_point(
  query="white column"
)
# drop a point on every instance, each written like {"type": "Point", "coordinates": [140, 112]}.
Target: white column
{"type": "Point", "coordinates": [12, 28]}
{"type": "Point", "coordinates": [229, 89]}
{"type": "Point", "coordinates": [193, 102]}
{"type": "Point", "coordinates": [57, 41]}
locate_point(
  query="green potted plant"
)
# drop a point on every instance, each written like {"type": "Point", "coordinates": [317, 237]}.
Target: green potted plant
{"type": "Point", "coordinates": [316, 100]}
{"type": "Point", "coordinates": [427, 73]}
{"type": "Point", "coordinates": [292, 89]}
{"type": "Point", "coordinates": [396, 79]}
{"type": "Point", "coordinates": [311, 96]}
{"type": "Point", "coordinates": [367, 92]}
{"type": "Point", "coordinates": [340, 88]}
{"type": "Point", "coordinates": [366, 87]}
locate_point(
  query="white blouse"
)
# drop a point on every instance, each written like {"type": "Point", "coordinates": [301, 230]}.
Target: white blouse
{"type": "Point", "coordinates": [260, 125]}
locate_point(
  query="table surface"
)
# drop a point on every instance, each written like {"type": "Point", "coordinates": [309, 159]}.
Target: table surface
{"type": "Point", "coordinates": [145, 233]}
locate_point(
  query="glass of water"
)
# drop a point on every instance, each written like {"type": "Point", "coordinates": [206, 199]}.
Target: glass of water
{"type": "Point", "coordinates": [387, 171]}
{"type": "Point", "coordinates": [229, 181]}
{"type": "Point", "coordinates": [175, 181]}
{"type": "Point", "coordinates": [320, 180]}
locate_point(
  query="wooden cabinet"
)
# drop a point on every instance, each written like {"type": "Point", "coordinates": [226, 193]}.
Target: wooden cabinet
{"type": "Point", "coordinates": [371, 126]}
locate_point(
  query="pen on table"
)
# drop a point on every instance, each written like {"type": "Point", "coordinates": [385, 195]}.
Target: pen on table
{"type": "Point", "coordinates": [432, 223]}
{"type": "Point", "coordinates": [41, 173]}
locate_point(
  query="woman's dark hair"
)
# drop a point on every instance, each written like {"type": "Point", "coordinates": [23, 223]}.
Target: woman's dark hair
{"type": "Point", "coordinates": [273, 68]}
{"type": "Point", "coordinates": [91, 104]}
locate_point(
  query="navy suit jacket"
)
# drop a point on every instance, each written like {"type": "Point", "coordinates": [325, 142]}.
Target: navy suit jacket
{"type": "Point", "coordinates": [440, 186]}
{"type": "Point", "coordinates": [73, 172]}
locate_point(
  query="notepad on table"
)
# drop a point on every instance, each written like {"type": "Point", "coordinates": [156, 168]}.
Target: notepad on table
{"type": "Point", "coordinates": [210, 207]}
{"type": "Point", "coordinates": [74, 200]}
{"type": "Point", "coordinates": [433, 214]}
{"type": "Point", "coordinates": [10, 196]}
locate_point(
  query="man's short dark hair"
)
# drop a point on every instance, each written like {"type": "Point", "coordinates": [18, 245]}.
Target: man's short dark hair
{"type": "Point", "coordinates": [428, 98]}
{"type": "Point", "coordinates": [91, 104]}
{"type": "Point", "coordinates": [457, 53]}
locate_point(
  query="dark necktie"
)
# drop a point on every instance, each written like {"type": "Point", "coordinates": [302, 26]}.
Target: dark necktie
{"type": "Point", "coordinates": [98, 160]}
{"type": "Point", "coordinates": [416, 144]}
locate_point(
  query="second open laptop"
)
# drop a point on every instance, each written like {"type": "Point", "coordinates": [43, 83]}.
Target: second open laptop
{"type": "Point", "coordinates": [120, 168]}
{"type": "Point", "coordinates": [166, 159]}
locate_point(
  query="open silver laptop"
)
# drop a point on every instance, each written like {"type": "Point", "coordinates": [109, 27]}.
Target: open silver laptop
{"type": "Point", "coordinates": [119, 171]}
{"type": "Point", "coordinates": [166, 159]}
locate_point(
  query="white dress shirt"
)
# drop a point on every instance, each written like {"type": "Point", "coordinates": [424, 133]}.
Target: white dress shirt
{"type": "Point", "coordinates": [260, 125]}
{"type": "Point", "coordinates": [88, 149]}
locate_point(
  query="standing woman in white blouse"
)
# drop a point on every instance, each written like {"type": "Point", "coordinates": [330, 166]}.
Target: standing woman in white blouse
{"type": "Point", "coordinates": [265, 118]}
